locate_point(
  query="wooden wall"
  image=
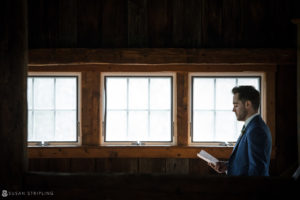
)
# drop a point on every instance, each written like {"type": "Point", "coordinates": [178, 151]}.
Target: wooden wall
{"type": "Point", "coordinates": [162, 23]}
{"type": "Point", "coordinates": [172, 24]}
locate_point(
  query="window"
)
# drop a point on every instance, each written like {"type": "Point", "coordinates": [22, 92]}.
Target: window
{"type": "Point", "coordinates": [138, 109]}
{"type": "Point", "coordinates": [52, 109]}
{"type": "Point", "coordinates": [211, 110]}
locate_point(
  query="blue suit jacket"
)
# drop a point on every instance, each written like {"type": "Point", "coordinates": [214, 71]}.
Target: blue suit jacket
{"type": "Point", "coordinates": [252, 152]}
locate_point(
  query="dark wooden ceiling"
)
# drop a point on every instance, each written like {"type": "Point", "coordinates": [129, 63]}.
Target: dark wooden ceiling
{"type": "Point", "coordinates": [162, 23]}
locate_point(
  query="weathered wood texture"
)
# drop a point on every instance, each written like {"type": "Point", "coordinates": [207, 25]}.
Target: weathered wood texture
{"type": "Point", "coordinates": [13, 106]}
{"type": "Point", "coordinates": [162, 23]}
{"type": "Point", "coordinates": [126, 152]}
{"type": "Point", "coordinates": [123, 165]}
{"type": "Point", "coordinates": [90, 108]}
{"type": "Point", "coordinates": [160, 56]}
{"type": "Point", "coordinates": [286, 117]}
{"type": "Point", "coordinates": [182, 108]}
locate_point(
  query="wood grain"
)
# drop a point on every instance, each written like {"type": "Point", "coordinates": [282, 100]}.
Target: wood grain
{"type": "Point", "coordinates": [125, 152]}
{"type": "Point", "coordinates": [161, 56]}
{"type": "Point", "coordinates": [90, 108]}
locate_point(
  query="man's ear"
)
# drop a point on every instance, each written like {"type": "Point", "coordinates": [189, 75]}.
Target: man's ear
{"type": "Point", "coordinates": [248, 104]}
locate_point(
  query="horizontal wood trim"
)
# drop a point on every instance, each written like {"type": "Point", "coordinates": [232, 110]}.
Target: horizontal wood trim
{"type": "Point", "coordinates": [153, 67]}
{"type": "Point", "coordinates": [160, 56]}
{"type": "Point", "coordinates": [129, 152]}
{"type": "Point", "coordinates": [125, 152]}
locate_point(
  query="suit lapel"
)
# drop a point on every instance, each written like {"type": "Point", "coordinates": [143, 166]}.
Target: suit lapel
{"type": "Point", "coordinates": [239, 140]}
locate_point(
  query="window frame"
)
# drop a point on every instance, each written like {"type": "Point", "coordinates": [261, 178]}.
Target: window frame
{"type": "Point", "coordinates": [78, 109]}
{"type": "Point", "coordinates": [220, 74]}
{"type": "Point", "coordinates": [173, 111]}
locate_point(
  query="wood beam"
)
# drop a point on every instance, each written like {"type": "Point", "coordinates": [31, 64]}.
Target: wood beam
{"type": "Point", "coordinates": [13, 100]}
{"type": "Point", "coordinates": [160, 56]}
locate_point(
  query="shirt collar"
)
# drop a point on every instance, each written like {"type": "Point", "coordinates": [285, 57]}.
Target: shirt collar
{"type": "Point", "coordinates": [249, 119]}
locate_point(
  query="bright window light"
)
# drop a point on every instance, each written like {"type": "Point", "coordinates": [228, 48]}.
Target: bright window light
{"type": "Point", "coordinates": [138, 109]}
{"type": "Point", "coordinates": [52, 109]}
{"type": "Point", "coordinates": [212, 116]}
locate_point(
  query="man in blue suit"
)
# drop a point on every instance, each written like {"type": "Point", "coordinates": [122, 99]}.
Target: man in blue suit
{"type": "Point", "coordinates": [252, 152]}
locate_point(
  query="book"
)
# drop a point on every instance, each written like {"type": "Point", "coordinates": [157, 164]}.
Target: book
{"type": "Point", "coordinates": [207, 157]}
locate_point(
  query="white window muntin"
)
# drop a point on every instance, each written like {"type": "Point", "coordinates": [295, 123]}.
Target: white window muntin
{"type": "Point", "coordinates": [135, 76]}
{"type": "Point", "coordinates": [56, 109]}
{"type": "Point", "coordinates": [212, 112]}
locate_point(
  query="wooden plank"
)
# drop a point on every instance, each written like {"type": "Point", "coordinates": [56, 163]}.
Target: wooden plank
{"type": "Point", "coordinates": [159, 23]}
{"type": "Point", "coordinates": [36, 32]}
{"type": "Point", "coordinates": [161, 56]}
{"type": "Point", "coordinates": [83, 165]}
{"type": "Point", "coordinates": [232, 23]}
{"type": "Point", "coordinates": [177, 166]}
{"type": "Point", "coordinates": [58, 165]}
{"type": "Point", "coordinates": [117, 165]}
{"type": "Point", "coordinates": [152, 165]}
{"type": "Point", "coordinates": [286, 118]}
{"type": "Point", "coordinates": [67, 23]}
{"type": "Point", "coordinates": [125, 152]}
{"type": "Point", "coordinates": [182, 110]}
{"type": "Point", "coordinates": [90, 108]}
{"type": "Point", "coordinates": [137, 23]}
{"type": "Point", "coordinates": [89, 18]}
{"type": "Point", "coordinates": [270, 103]}
{"type": "Point", "coordinates": [153, 68]}
{"type": "Point", "coordinates": [38, 164]}
{"type": "Point", "coordinates": [186, 26]}
{"type": "Point", "coordinates": [114, 23]}
{"type": "Point", "coordinates": [211, 24]}
{"type": "Point", "coordinates": [13, 84]}
{"type": "Point", "coordinates": [200, 168]}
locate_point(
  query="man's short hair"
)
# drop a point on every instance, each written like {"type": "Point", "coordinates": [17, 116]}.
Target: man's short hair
{"type": "Point", "coordinates": [248, 93]}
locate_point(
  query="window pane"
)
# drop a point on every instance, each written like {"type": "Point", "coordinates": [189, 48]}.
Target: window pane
{"type": "Point", "coordinates": [203, 94]}
{"type": "Point", "coordinates": [116, 126]}
{"type": "Point", "coordinates": [160, 126]}
{"type": "Point", "coordinates": [225, 126]}
{"type": "Point", "coordinates": [65, 96]}
{"type": "Point", "coordinates": [147, 114]}
{"type": "Point", "coordinates": [203, 126]}
{"type": "Point", "coordinates": [51, 94]}
{"type": "Point", "coordinates": [44, 93]}
{"type": "Point", "coordinates": [116, 91]}
{"type": "Point", "coordinates": [160, 93]}
{"type": "Point", "coordinates": [29, 93]}
{"type": "Point", "coordinates": [249, 81]}
{"type": "Point", "coordinates": [223, 93]}
{"type": "Point", "coordinates": [43, 126]}
{"type": "Point", "coordinates": [138, 93]}
{"type": "Point", "coordinates": [137, 126]}
{"type": "Point", "coordinates": [221, 124]}
{"type": "Point", "coordinates": [30, 133]}
{"type": "Point", "coordinates": [65, 126]}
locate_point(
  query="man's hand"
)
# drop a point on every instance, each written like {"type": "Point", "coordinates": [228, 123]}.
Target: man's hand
{"type": "Point", "coordinates": [220, 166]}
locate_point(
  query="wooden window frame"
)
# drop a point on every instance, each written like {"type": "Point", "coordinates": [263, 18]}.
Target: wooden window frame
{"type": "Point", "coordinates": [92, 63]}
{"type": "Point", "coordinates": [140, 74]}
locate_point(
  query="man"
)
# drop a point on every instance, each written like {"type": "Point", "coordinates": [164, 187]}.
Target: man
{"type": "Point", "coordinates": [251, 154]}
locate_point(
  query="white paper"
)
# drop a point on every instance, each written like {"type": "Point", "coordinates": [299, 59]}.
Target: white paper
{"type": "Point", "coordinates": [207, 157]}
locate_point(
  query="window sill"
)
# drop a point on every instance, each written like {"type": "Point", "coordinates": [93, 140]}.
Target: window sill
{"type": "Point", "coordinates": [71, 151]}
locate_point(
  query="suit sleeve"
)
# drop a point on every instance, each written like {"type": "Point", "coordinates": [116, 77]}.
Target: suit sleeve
{"type": "Point", "coordinates": [257, 152]}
